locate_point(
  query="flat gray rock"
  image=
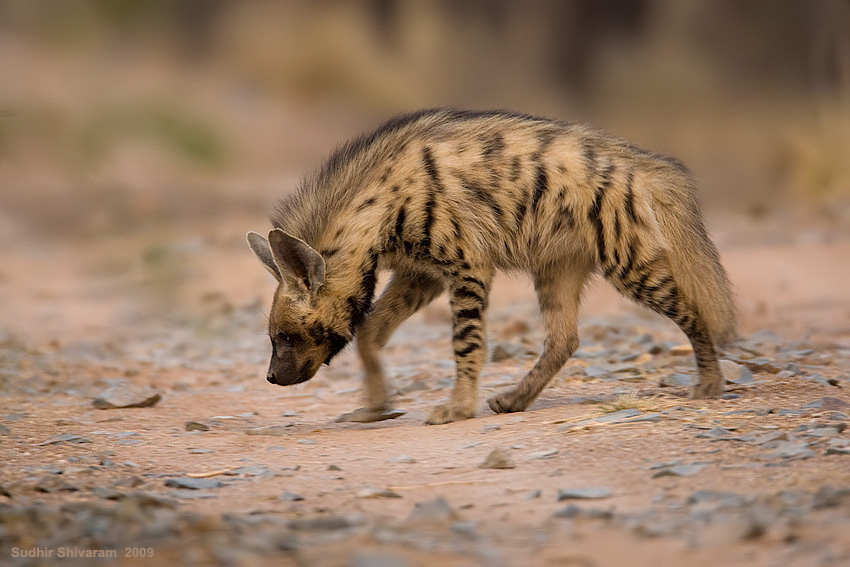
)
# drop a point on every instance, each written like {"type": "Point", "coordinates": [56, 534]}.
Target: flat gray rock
{"type": "Point", "coordinates": [190, 483]}
{"type": "Point", "coordinates": [680, 470]}
{"type": "Point", "coordinates": [573, 511]}
{"type": "Point", "coordinates": [504, 351]}
{"type": "Point", "coordinates": [270, 430]}
{"type": "Point", "coordinates": [829, 403]}
{"type": "Point", "coordinates": [677, 379]}
{"type": "Point", "coordinates": [196, 426]}
{"type": "Point", "coordinates": [127, 396]}
{"type": "Point", "coordinates": [735, 373]}
{"type": "Point", "coordinates": [363, 415]}
{"type": "Point", "coordinates": [435, 511]}
{"type": "Point", "coordinates": [790, 451]}
{"type": "Point", "coordinates": [403, 459]}
{"type": "Point", "coordinates": [64, 438]}
{"type": "Point", "coordinates": [589, 493]}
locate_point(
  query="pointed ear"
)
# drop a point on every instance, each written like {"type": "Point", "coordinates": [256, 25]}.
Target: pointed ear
{"type": "Point", "coordinates": [296, 260]}
{"type": "Point", "coordinates": [261, 248]}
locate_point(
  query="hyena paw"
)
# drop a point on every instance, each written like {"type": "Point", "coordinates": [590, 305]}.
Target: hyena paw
{"type": "Point", "coordinates": [505, 403]}
{"type": "Point", "coordinates": [712, 389]}
{"type": "Point", "coordinates": [448, 413]}
{"type": "Point", "coordinates": [368, 415]}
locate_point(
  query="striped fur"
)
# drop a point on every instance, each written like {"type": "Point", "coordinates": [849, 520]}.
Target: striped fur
{"type": "Point", "coordinates": [444, 198]}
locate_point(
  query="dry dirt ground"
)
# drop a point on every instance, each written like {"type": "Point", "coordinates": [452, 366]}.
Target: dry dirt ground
{"type": "Point", "coordinates": [759, 478]}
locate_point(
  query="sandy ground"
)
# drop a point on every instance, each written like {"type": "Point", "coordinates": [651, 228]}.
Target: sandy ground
{"type": "Point", "coordinates": [182, 312]}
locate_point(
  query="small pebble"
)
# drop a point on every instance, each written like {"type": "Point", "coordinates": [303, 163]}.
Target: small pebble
{"type": "Point", "coordinates": [590, 493]}
{"type": "Point", "coordinates": [497, 459]}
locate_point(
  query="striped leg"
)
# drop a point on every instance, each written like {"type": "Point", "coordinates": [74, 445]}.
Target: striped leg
{"type": "Point", "coordinates": [559, 294]}
{"type": "Point", "coordinates": [652, 285]}
{"type": "Point", "coordinates": [468, 294]}
{"type": "Point", "coordinates": [406, 293]}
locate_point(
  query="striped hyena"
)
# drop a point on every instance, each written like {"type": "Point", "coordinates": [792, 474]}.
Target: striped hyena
{"type": "Point", "coordinates": [444, 198]}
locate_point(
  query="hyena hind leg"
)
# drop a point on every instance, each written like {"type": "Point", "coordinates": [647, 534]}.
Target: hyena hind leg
{"type": "Point", "coordinates": [655, 287]}
{"type": "Point", "coordinates": [559, 295]}
{"type": "Point", "coordinates": [404, 295]}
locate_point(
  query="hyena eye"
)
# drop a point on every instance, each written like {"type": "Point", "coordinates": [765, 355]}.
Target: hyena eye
{"type": "Point", "coordinates": [289, 339]}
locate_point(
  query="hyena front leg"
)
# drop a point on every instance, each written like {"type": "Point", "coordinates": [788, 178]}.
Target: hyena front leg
{"type": "Point", "coordinates": [559, 295]}
{"type": "Point", "coordinates": [468, 297]}
{"type": "Point", "coordinates": [406, 293]}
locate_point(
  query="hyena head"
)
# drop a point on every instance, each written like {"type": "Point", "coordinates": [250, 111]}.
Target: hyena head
{"type": "Point", "coordinates": [303, 328]}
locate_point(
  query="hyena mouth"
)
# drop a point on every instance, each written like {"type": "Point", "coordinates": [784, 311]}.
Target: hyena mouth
{"type": "Point", "coordinates": [304, 373]}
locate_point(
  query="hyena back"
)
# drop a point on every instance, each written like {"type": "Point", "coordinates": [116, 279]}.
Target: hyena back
{"type": "Point", "coordinates": [445, 198]}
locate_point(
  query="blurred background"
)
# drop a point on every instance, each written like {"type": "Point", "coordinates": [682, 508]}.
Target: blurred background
{"type": "Point", "coordinates": [139, 136]}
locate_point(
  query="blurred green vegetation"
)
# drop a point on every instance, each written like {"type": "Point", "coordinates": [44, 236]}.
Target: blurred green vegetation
{"type": "Point", "coordinates": [137, 98]}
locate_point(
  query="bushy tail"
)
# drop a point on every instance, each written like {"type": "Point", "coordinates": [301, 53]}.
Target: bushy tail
{"type": "Point", "coordinates": [694, 260]}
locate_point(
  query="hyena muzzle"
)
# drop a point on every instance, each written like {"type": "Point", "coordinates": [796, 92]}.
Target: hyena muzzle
{"type": "Point", "coordinates": [444, 198]}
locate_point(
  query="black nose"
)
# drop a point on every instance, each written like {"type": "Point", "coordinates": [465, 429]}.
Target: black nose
{"type": "Point", "coordinates": [270, 377]}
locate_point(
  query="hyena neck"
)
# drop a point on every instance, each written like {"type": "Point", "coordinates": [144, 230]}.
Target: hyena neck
{"type": "Point", "coordinates": [351, 279]}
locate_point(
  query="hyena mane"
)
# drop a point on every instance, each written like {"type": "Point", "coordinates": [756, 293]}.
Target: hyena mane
{"type": "Point", "coordinates": [445, 198]}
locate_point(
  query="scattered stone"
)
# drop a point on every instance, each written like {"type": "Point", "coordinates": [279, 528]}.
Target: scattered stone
{"type": "Point", "coordinates": [329, 523]}
{"type": "Point", "coordinates": [193, 483]}
{"type": "Point", "coordinates": [5, 430]}
{"type": "Point", "coordinates": [596, 371]}
{"type": "Point", "coordinates": [590, 493]}
{"type": "Point", "coordinates": [191, 494]}
{"type": "Point", "coordinates": [771, 437]}
{"type": "Point", "coordinates": [680, 470]}
{"type": "Point", "coordinates": [791, 451]}
{"type": "Point", "coordinates": [64, 438]}
{"type": "Point", "coordinates": [308, 442]}
{"type": "Point", "coordinates": [373, 492]}
{"type": "Point", "coordinates": [200, 451]}
{"type": "Point", "coordinates": [504, 351]}
{"type": "Point", "coordinates": [822, 432]}
{"type": "Point", "coordinates": [403, 459]}
{"type": "Point", "coordinates": [714, 433]}
{"type": "Point", "coordinates": [838, 451]}
{"type": "Point", "coordinates": [471, 445]}
{"type": "Point", "coordinates": [334, 468]}
{"type": "Point", "coordinates": [736, 373]}
{"type": "Point", "coordinates": [55, 483]}
{"type": "Point", "coordinates": [291, 497]}
{"type": "Point", "coordinates": [828, 403]}
{"type": "Point", "coordinates": [364, 415]}
{"type": "Point", "coordinates": [435, 511]}
{"type": "Point", "coordinates": [677, 379]}
{"type": "Point", "coordinates": [378, 559]}
{"type": "Point", "coordinates": [547, 454]}
{"type": "Point", "coordinates": [413, 386]}
{"type": "Point", "coordinates": [127, 396]}
{"type": "Point", "coordinates": [682, 350]}
{"type": "Point", "coordinates": [573, 511]}
{"type": "Point", "coordinates": [645, 418]}
{"type": "Point", "coordinates": [270, 430]}
{"type": "Point", "coordinates": [497, 459]}
{"type": "Point", "coordinates": [829, 497]}
{"type": "Point", "coordinates": [107, 493]}
{"type": "Point", "coordinates": [534, 494]}
{"type": "Point", "coordinates": [251, 470]}
{"type": "Point", "coordinates": [488, 428]}
{"type": "Point", "coordinates": [196, 426]}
